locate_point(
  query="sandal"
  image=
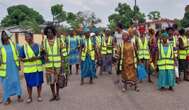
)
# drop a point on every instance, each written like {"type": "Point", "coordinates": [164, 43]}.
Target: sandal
{"type": "Point", "coordinates": [53, 99]}
{"type": "Point", "coordinates": [29, 100]}
{"type": "Point", "coordinates": [57, 98]}
{"type": "Point", "coordinates": [20, 99]}
{"type": "Point", "coordinates": [8, 102]}
{"type": "Point", "coordinates": [39, 99]}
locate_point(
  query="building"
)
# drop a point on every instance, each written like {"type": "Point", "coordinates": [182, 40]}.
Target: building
{"type": "Point", "coordinates": [158, 24]}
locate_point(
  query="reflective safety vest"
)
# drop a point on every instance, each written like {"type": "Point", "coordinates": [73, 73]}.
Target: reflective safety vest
{"type": "Point", "coordinates": [53, 54]}
{"type": "Point", "coordinates": [166, 60]}
{"type": "Point", "coordinates": [99, 41]}
{"type": "Point", "coordinates": [143, 50]}
{"type": "Point", "coordinates": [31, 66]}
{"type": "Point", "coordinates": [88, 49]}
{"type": "Point", "coordinates": [64, 49]}
{"type": "Point", "coordinates": [188, 46]}
{"type": "Point", "coordinates": [183, 53]}
{"type": "Point", "coordinates": [3, 65]}
{"type": "Point", "coordinates": [107, 47]}
{"type": "Point", "coordinates": [174, 45]}
{"type": "Point", "coordinates": [122, 57]}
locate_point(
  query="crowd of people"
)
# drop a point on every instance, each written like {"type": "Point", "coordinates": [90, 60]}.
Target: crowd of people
{"type": "Point", "coordinates": [137, 54]}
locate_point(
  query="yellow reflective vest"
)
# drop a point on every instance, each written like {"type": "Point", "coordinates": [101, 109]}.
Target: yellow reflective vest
{"type": "Point", "coordinates": [64, 49]}
{"type": "Point", "coordinates": [107, 47]}
{"type": "Point", "coordinates": [31, 66]}
{"type": "Point", "coordinates": [166, 59]}
{"type": "Point", "coordinates": [188, 46]}
{"type": "Point", "coordinates": [183, 52]}
{"type": "Point", "coordinates": [143, 50]}
{"type": "Point", "coordinates": [53, 54]}
{"type": "Point", "coordinates": [3, 66]}
{"type": "Point", "coordinates": [88, 49]}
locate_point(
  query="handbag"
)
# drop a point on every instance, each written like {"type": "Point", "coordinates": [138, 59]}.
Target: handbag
{"type": "Point", "coordinates": [62, 81]}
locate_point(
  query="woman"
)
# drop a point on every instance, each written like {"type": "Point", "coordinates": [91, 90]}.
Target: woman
{"type": "Point", "coordinates": [166, 73]}
{"type": "Point", "coordinates": [33, 71]}
{"type": "Point", "coordinates": [129, 61]}
{"type": "Point", "coordinates": [88, 58]}
{"type": "Point", "coordinates": [153, 48]}
{"type": "Point", "coordinates": [9, 69]}
{"type": "Point", "coordinates": [73, 51]}
{"type": "Point", "coordinates": [107, 53]}
{"type": "Point", "coordinates": [51, 46]}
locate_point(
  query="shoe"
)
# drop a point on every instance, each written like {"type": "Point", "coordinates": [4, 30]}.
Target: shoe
{"type": "Point", "coordinates": [29, 100]}
{"type": "Point", "coordinates": [52, 99]}
{"type": "Point", "coordinates": [8, 102]}
{"type": "Point", "coordinates": [57, 98]}
{"type": "Point", "coordinates": [123, 89]}
{"type": "Point", "coordinates": [39, 99]}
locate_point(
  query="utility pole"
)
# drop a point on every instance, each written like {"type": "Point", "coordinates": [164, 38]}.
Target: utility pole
{"type": "Point", "coordinates": [135, 3]}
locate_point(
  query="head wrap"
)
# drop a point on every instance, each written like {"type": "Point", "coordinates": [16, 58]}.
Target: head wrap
{"type": "Point", "coordinates": [9, 34]}
{"type": "Point", "coordinates": [85, 30]}
{"type": "Point", "coordinates": [165, 35]}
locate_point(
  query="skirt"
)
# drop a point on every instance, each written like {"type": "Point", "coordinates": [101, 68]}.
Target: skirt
{"type": "Point", "coordinates": [52, 75]}
{"type": "Point", "coordinates": [141, 72]}
{"type": "Point", "coordinates": [88, 68]}
{"type": "Point", "coordinates": [166, 79]}
{"type": "Point", "coordinates": [107, 63]}
{"type": "Point", "coordinates": [34, 79]}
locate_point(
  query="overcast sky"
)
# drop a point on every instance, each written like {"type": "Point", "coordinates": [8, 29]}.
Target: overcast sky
{"type": "Point", "coordinates": [103, 8]}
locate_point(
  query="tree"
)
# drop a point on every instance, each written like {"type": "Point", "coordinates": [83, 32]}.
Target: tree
{"type": "Point", "coordinates": [59, 15]}
{"type": "Point", "coordinates": [87, 18]}
{"type": "Point", "coordinates": [154, 15]}
{"type": "Point", "coordinates": [126, 15]}
{"type": "Point", "coordinates": [21, 14]}
{"type": "Point", "coordinates": [185, 20]}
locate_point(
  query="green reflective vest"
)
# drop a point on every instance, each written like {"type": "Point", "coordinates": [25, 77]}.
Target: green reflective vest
{"type": "Point", "coordinates": [188, 46]}
{"type": "Point", "coordinates": [53, 54]}
{"type": "Point", "coordinates": [64, 49]}
{"type": "Point", "coordinates": [106, 47]}
{"type": "Point", "coordinates": [31, 66]}
{"type": "Point", "coordinates": [166, 60]}
{"type": "Point", "coordinates": [143, 50]}
{"type": "Point", "coordinates": [183, 53]}
{"type": "Point", "coordinates": [3, 66]}
{"type": "Point", "coordinates": [88, 49]}
{"type": "Point", "coordinates": [174, 44]}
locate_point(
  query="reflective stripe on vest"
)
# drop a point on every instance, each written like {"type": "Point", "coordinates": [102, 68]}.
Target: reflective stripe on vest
{"type": "Point", "coordinates": [34, 66]}
{"type": "Point", "coordinates": [53, 53]}
{"type": "Point", "coordinates": [64, 50]}
{"type": "Point", "coordinates": [3, 66]}
{"type": "Point", "coordinates": [143, 51]}
{"type": "Point", "coordinates": [166, 61]}
{"type": "Point", "coordinates": [188, 46]}
{"type": "Point", "coordinates": [183, 53]}
{"type": "Point", "coordinates": [106, 46]}
{"type": "Point", "coordinates": [88, 49]}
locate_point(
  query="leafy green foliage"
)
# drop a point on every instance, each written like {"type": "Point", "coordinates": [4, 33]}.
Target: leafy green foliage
{"type": "Point", "coordinates": [154, 15]}
{"type": "Point", "coordinates": [125, 14]}
{"type": "Point", "coordinates": [21, 15]}
{"type": "Point", "coordinates": [185, 20]}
